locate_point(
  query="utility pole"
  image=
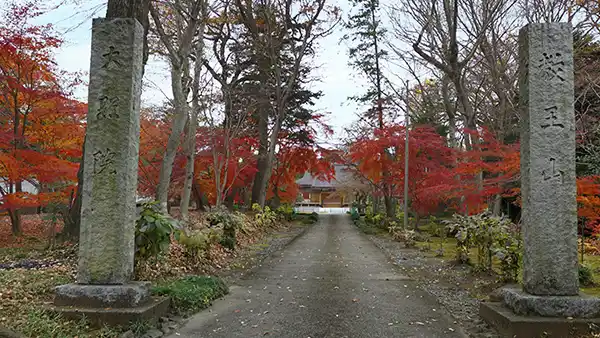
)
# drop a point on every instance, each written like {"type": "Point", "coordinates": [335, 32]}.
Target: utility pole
{"type": "Point", "coordinates": [406, 121]}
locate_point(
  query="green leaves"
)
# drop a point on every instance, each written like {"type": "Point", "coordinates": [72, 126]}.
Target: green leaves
{"type": "Point", "coordinates": [153, 232]}
{"type": "Point", "coordinates": [192, 293]}
{"type": "Point", "coordinates": [492, 236]}
{"type": "Point", "coordinates": [264, 216]}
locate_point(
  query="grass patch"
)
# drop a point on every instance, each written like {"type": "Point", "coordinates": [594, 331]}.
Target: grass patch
{"type": "Point", "coordinates": [368, 229]}
{"type": "Point", "coordinates": [24, 291]}
{"type": "Point", "coordinates": [192, 293]}
{"type": "Point", "coordinates": [432, 247]}
{"type": "Point", "coordinates": [43, 324]}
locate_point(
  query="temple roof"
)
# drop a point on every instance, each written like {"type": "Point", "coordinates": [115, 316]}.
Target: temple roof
{"type": "Point", "coordinates": [309, 181]}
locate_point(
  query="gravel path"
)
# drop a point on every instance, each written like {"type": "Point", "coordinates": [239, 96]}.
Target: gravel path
{"type": "Point", "coordinates": [442, 280]}
{"type": "Point", "coordinates": [331, 282]}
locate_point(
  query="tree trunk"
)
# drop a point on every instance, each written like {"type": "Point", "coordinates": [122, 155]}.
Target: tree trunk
{"type": "Point", "coordinates": [276, 200]}
{"type": "Point", "coordinates": [137, 9]}
{"type": "Point", "coordinates": [389, 206]}
{"type": "Point", "coordinates": [417, 221]}
{"type": "Point", "coordinates": [230, 199]}
{"type": "Point", "coordinates": [259, 185]}
{"type": "Point", "coordinates": [181, 114]}
{"type": "Point", "coordinates": [128, 9]}
{"type": "Point", "coordinates": [268, 170]}
{"type": "Point", "coordinates": [72, 219]}
{"type": "Point", "coordinates": [497, 209]}
{"type": "Point", "coordinates": [190, 141]}
{"type": "Point", "coordinates": [15, 221]}
{"type": "Point", "coordinates": [375, 205]}
{"type": "Point", "coordinates": [198, 196]}
{"type": "Point", "coordinates": [190, 150]}
{"type": "Point", "coordinates": [247, 198]}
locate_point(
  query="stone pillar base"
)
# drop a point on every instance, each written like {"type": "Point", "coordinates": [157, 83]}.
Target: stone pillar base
{"type": "Point", "coordinates": [114, 296]}
{"type": "Point", "coordinates": [512, 325]}
{"type": "Point", "coordinates": [515, 313]}
{"type": "Point", "coordinates": [522, 303]}
{"type": "Point", "coordinates": [109, 304]}
{"type": "Point", "coordinates": [150, 312]}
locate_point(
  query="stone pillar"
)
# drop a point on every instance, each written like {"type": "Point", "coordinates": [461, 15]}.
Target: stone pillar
{"type": "Point", "coordinates": [548, 194]}
{"type": "Point", "coordinates": [548, 187]}
{"type": "Point", "coordinates": [106, 244]}
{"type": "Point", "coordinates": [104, 292]}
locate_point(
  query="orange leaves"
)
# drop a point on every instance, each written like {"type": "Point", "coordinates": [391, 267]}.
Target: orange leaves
{"type": "Point", "coordinates": [41, 130]}
{"type": "Point", "coordinates": [588, 198]}
{"type": "Point", "coordinates": [294, 160]}
{"type": "Point", "coordinates": [384, 152]}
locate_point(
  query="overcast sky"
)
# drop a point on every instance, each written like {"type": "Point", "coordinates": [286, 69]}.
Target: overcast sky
{"type": "Point", "coordinates": [338, 81]}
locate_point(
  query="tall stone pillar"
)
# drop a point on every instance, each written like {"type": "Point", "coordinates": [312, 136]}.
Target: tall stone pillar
{"type": "Point", "coordinates": [548, 194]}
{"type": "Point", "coordinates": [106, 244]}
{"type": "Point", "coordinates": [108, 212]}
{"type": "Point", "coordinates": [548, 187]}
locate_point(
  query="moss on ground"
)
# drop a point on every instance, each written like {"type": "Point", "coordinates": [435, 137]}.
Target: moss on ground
{"type": "Point", "coordinates": [192, 293]}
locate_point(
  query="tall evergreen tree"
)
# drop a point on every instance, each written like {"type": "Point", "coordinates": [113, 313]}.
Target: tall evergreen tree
{"type": "Point", "coordinates": [365, 36]}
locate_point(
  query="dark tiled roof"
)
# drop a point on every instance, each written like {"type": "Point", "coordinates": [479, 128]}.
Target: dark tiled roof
{"type": "Point", "coordinates": [341, 174]}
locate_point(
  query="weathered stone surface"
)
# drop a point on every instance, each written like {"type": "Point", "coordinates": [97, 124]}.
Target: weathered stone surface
{"type": "Point", "coordinates": [522, 303]}
{"type": "Point", "coordinates": [149, 312]}
{"type": "Point", "coordinates": [548, 188]}
{"type": "Point", "coordinates": [106, 245]}
{"type": "Point", "coordinates": [516, 326]}
{"type": "Point", "coordinates": [102, 296]}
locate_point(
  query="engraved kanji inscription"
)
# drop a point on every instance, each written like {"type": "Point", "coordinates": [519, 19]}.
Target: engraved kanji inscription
{"type": "Point", "coordinates": [104, 160]}
{"type": "Point", "coordinates": [108, 108]}
{"type": "Point", "coordinates": [553, 173]}
{"type": "Point", "coordinates": [552, 66]}
{"type": "Point", "coordinates": [111, 58]}
{"type": "Point", "coordinates": [550, 119]}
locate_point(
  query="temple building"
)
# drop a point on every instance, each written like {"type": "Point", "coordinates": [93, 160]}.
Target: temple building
{"type": "Point", "coordinates": [326, 194]}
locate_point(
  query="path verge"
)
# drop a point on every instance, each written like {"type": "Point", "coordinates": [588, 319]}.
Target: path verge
{"type": "Point", "coordinates": [451, 285]}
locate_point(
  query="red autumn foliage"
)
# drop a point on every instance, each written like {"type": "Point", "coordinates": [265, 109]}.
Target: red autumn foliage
{"type": "Point", "coordinates": [232, 158]}
{"type": "Point", "coordinates": [41, 130]}
{"type": "Point", "coordinates": [294, 160]}
{"type": "Point", "coordinates": [430, 162]}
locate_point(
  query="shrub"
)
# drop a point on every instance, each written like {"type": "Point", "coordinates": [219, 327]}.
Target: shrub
{"type": "Point", "coordinates": [509, 251]}
{"type": "Point", "coordinates": [192, 293]}
{"type": "Point", "coordinates": [491, 236]}
{"type": "Point", "coordinates": [354, 214]}
{"type": "Point", "coordinates": [438, 229]}
{"type": "Point", "coordinates": [586, 277]}
{"type": "Point", "coordinates": [408, 237]}
{"type": "Point", "coordinates": [198, 244]}
{"type": "Point", "coordinates": [364, 227]}
{"type": "Point", "coordinates": [230, 222]}
{"type": "Point", "coordinates": [264, 216]}
{"type": "Point", "coordinates": [461, 225]}
{"type": "Point", "coordinates": [286, 212]}
{"type": "Point", "coordinates": [153, 232]}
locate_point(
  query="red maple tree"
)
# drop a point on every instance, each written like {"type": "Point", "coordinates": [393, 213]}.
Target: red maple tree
{"type": "Point", "coordinates": [40, 128]}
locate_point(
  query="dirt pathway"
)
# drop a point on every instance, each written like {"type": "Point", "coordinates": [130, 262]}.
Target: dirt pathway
{"type": "Point", "coordinates": [331, 282]}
